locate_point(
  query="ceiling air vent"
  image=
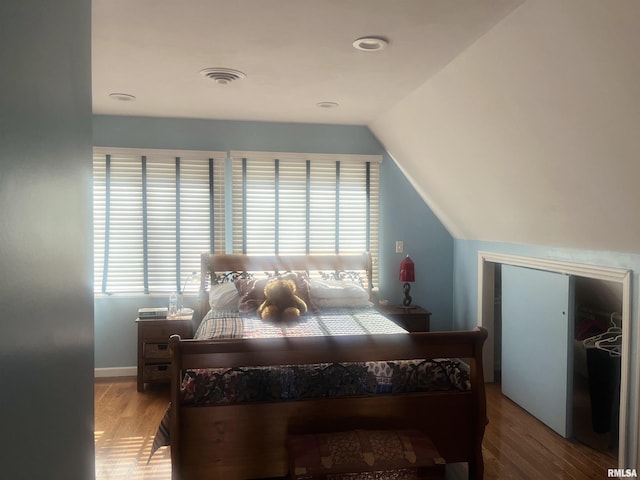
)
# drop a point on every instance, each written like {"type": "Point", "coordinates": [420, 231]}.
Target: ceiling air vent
{"type": "Point", "coordinates": [222, 76]}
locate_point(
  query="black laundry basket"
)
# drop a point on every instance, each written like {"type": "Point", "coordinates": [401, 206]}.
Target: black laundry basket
{"type": "Point", "coordinates": [604, 390]}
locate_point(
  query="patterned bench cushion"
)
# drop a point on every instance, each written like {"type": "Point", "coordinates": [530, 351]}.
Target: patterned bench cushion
{"type": "Point", "coordinates": [364, 454]}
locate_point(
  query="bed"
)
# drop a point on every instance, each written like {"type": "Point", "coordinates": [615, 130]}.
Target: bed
{"type": "Point", "coordinates": [240, 387]}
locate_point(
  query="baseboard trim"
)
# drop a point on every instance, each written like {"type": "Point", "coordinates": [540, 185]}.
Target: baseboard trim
{"type": "Point", "coordinates": [115, 372]}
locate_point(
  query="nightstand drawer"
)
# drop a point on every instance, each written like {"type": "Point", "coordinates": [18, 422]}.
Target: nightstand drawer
{"type": "Point", "coordinates": [156, 351]}
{"type": "Point", "coordinates": [412, 319]}
{"type": "Point", "coordinates": [154, 356]}
{"type": "Point", "coordinates": [157, 372]}
{"type": "Point", "coordinates": [164, 331]}
{"type": "Point", "coordinates": [412, 323]}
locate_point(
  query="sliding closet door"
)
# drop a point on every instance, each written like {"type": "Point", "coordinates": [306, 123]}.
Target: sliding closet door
{"type": "Point", "coordinates": [537, 321]}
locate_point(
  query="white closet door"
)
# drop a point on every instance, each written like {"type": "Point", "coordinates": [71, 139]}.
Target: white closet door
{"type": "Point", "coordinates": [537, 325]}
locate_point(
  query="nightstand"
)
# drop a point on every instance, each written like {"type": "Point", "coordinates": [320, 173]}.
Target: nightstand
{"type": "Point", "coordinates": [154, 359]}
{"type": "Point", "coordinates": [413, 319]}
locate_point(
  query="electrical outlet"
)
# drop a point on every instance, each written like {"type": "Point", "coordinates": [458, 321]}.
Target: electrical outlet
{"type": "Point", "coordinates": [399, 246]}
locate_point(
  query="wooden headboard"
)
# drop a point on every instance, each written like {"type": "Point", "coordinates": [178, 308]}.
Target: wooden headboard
{"type": "Point", "coordinates": [213, 264]}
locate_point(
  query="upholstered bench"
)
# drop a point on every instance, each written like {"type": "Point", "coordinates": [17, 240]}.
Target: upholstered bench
{"type": "Point", "coordinates": [404, 454]}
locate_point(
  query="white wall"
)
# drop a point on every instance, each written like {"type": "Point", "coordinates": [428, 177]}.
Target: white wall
{"type": "Point", "coordinates": [530, 135]}
{"type": "Point", "coordinates": [46, 302]}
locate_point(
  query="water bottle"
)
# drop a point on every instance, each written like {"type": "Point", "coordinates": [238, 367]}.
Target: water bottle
{"type": "Point", "coordinates": [173, 304]}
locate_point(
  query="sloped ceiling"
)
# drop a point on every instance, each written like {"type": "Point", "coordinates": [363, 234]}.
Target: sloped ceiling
{"type": "Point", "coordinates": [532, 135]}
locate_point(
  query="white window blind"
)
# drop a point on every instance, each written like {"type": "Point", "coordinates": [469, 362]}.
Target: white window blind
{"type": "Point", "coordinates": [289, 203]}
{"type": "Point", "coordinates": [155, 211]}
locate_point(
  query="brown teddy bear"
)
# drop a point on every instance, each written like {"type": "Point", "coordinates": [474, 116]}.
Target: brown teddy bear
{"type": "Point", "coordinates": [281, 302]}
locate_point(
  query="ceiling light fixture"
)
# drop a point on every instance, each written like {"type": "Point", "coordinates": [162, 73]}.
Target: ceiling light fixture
{"type": "Point", "coordinates": [370, 44]}
{"type": "Point", "coordinates": [123, 97]}
{"type": "Point", "coordinates": [327, 104]}
{"type": "Point", "coordinates": [222, 76]}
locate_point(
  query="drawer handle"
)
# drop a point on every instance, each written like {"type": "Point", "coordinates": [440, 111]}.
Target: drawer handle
{"type": "Point", "coordinates": [163, 346]}
{"type": "Point", "coordinates": [163, 368]}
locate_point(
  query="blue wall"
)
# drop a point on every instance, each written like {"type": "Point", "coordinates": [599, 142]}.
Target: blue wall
{"type": "Point", "coordinates": [403, 214]}
{"type": "Point", "coordinates": [46, 358]}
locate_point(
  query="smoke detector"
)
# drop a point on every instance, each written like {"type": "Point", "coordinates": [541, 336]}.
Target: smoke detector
{"type": "Point", "coordinates": [370, 44]}
{"type": "Point", "coordinates": [222, 76]}
{"type": "Point", "coordinates": [327, 104]}
{"type": "Point", "coordinates": [123, 97]}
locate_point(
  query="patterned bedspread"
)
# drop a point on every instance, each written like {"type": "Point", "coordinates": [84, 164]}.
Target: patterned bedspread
{"type": "Point", "coordinates": [224, 386]}
{"type": "Point", "coordinates": [296, 382]}
{"type": "Point", "coordinates": [327, 322]}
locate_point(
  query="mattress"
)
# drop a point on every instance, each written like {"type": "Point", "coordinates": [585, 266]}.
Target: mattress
{"type": "Point", "coordinates": [325, 322]}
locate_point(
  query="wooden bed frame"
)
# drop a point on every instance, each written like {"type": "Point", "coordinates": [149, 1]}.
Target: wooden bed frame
{"type": "Point", "coordinates": [245, 441]}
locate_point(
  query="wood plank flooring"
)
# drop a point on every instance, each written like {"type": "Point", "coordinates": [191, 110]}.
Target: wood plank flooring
{"type": "Point", "coordinates": [516, 445]}
{"type": "Point", "coordinates": [125, 424]}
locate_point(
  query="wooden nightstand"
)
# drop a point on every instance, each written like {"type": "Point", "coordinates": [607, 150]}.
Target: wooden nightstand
{"type": "Point", "coordinates": [413, 319]}
{"type": "Point", "coordinates": [154, 360]}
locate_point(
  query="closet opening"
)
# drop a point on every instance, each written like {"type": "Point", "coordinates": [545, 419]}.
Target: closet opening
{"type": "Point", "coordinates": [497, 324]}
{"type": "Point", "coordinates": [598, 347]}
{"type": "Point", "coordinates": [597, 363]}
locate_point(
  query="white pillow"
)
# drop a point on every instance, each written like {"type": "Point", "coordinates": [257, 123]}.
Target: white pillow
{"type": "Point", "coordinates": [224, 296]}
{"type": "Point", "coordinates": [337, 289]}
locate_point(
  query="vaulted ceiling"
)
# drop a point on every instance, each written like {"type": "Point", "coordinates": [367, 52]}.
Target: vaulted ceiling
{"type": "Point", "coordinates": [515, 120]}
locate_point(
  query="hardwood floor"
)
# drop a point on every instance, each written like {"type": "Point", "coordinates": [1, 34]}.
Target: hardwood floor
{"type": "Point", "coordinates": [125, 424]}
{"type": "Point", "coordinates": [516, 445]}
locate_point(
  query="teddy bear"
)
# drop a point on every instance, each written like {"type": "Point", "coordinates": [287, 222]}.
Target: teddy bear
{"type": "Point", "coordinates": [281, 302]}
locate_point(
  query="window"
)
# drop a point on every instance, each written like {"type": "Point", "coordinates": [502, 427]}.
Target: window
{"type": "Point", "coordinates": [288, 203]}
{"type": "Point", "coordinates": [156, 211]}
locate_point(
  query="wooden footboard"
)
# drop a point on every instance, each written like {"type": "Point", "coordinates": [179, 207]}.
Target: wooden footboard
{"type": "Point", "coordinates": [248, 440]}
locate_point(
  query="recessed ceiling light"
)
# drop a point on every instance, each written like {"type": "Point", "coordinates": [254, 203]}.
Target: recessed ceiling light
{"type": "Point", "coordinates": [123, 97]}
{"type": "Point", "coordinates": [370, 44]}
{"type": "Point", "coordinates": [327, 104]}
{"type": "Point", "coordinates": [222, 76]}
